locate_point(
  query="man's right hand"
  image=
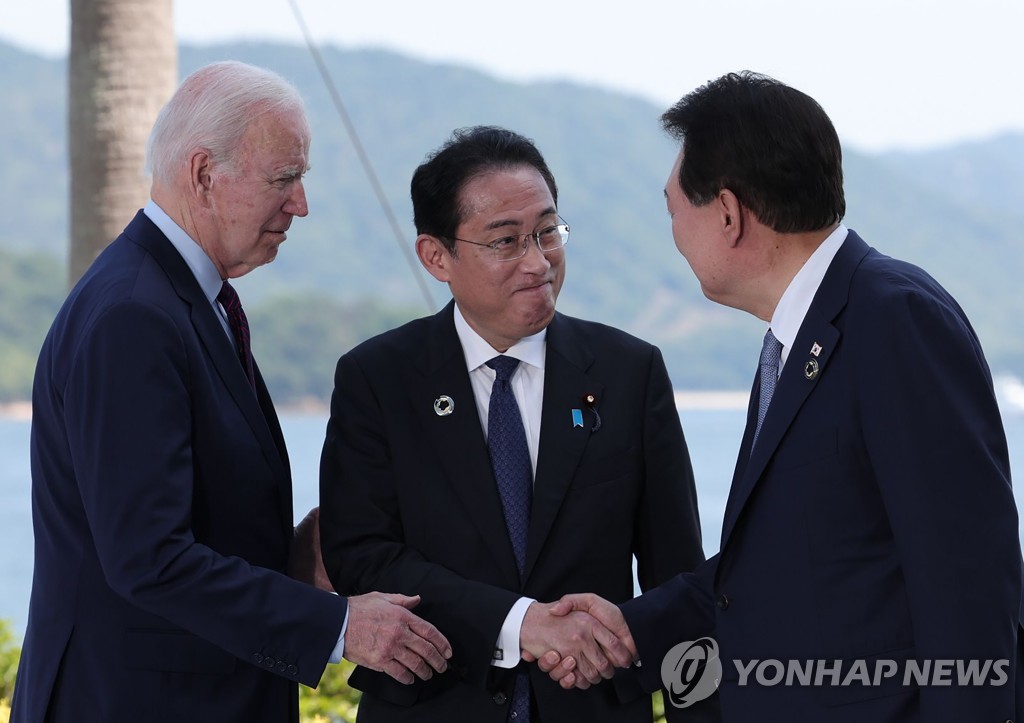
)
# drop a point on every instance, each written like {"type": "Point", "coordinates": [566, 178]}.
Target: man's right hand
{"type": "Point", "coordinates": [567, 670]}
{"type": "Point", "coordinates": [573, 646]}
{"type": "Point", "coordinates": [383, 635]}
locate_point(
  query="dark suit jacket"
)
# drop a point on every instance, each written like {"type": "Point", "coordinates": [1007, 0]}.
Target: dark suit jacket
{"type": "Point", "coordinates": [409, 504]}
{"type": "Point", "coordinates": [162, 512]}
{"type": "Point", "coordinates": [873, 519]}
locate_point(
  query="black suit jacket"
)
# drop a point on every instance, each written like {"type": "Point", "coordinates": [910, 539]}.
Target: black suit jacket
{"type": "Point", "coordinates": [873, 520]}
{"type": "Point", "coordinates": [409, 504]}
{"type": "Point", "coordinates": [161, 500]}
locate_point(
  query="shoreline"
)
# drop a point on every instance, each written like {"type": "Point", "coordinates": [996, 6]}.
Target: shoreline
{"type": "Point", "coordinates": [693, 400]}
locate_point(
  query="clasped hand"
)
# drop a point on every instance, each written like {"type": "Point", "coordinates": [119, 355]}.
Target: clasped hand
{"type": "Point", "coordinates": [578, 641]}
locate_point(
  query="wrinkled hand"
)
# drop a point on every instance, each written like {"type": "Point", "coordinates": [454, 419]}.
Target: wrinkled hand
{"type": "Point", "coordinates": [384, 636]}
{"type": "Point", "coordinates": [562, 668]}
{"type": "Point", "coordinates": [305, 562]}
{"type": "Point", "coordinates": [570, 641]}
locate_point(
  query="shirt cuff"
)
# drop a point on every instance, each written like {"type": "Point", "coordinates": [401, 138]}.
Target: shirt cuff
{"type": "Point", "coordinates": [506, 650]}
{"type": "Point", "coordinates": [339, 648]}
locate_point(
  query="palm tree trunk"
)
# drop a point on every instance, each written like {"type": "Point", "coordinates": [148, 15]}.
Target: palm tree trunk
{"type": "Point", "coordinates": [122, 67]}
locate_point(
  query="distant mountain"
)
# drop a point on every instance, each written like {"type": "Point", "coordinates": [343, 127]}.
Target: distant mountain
{"type": "Point", "coordinates": [987, 174]}
{"type": "Point", "coordinates": [610, 159]}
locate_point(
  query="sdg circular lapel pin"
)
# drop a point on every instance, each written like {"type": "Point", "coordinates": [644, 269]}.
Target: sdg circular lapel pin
{"type": "Point", "coordinates": [444, 405]}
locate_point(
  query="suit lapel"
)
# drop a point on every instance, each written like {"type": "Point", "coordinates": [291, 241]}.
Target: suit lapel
{"type": "Point", "coordinates": [458, 437]}
{"type": "Point", "coordinates": [213, 338]}
{"type": "Point", "coordinates": [284, 491]}
{"type": "Point", "coordinates": [797, 381]}
{"type": "Point", "coordinates": [561, 443]}
{"type": "Point", "coordinates": [733, 503]}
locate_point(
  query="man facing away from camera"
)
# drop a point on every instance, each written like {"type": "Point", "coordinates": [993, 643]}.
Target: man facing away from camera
{"type": "Point", "coordinates": [870, 518]}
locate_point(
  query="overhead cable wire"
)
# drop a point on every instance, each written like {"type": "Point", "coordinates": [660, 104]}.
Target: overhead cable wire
{"type": "Point", "coordinates": [364, 158]}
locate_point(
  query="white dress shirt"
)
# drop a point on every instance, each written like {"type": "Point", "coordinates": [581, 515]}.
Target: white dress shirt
{"type": "Point", "coordinates": [796, 300]}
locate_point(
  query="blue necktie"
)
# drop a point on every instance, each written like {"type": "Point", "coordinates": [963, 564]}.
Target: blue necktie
{"type": "Point", "coordinates": [771, 353]}
{"type": "Point", "coordinates": [510, 460]}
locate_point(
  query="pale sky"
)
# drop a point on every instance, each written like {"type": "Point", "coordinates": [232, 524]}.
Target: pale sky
{"type": "Point", "coordinates": [890, 73]}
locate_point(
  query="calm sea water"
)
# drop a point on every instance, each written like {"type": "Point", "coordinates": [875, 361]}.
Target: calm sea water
{"type": "Point", "coordinates": [713, 437]}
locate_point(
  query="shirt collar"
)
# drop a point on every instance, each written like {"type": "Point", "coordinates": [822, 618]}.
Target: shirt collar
{"type": "Point", "coordinates": [202, 267]}
{"type": "Point", "coordinates": [529, 350]}
{"type": "Point", "coordinates": [792, 307]}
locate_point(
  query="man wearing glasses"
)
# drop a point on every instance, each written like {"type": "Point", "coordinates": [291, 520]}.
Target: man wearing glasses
{"type": "Point", "coordinates": [497, 455]}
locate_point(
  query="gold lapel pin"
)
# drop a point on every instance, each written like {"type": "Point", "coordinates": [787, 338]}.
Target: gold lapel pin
{"type": "Point", "coordinates": [811, 369]}
{"type": "Point", "coordinates": [444, 405]}
{"type": "Point", "coordinates": [590, 402]}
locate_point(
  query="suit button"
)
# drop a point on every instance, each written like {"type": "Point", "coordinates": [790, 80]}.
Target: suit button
{"type": "Point", "coordinates": [282, 666]}
{"type": "Point", "coordinates": [500, 698]}
{"type": "Point", "coordinates": [723, 602]}
{"type": "Point", "coordinates": [257, 658]}
{"type": "Point", "coordinates": [292, 671]}
{"type": "Point", "coordinates": [269, 663]}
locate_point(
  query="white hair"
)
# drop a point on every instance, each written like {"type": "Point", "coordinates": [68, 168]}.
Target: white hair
{"type": "Point", "coordinates": [212, 109]}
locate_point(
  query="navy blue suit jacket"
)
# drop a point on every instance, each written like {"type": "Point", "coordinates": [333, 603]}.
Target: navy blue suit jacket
{"type": "Point", "coordinates": [162, 511]}
{"type": "Point", "coordinates": [874, 518]}
{"type": "Point", "coordinates": [409, 504]}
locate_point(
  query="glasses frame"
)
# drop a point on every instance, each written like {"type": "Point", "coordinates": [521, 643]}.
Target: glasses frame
{"type": "Point", "coordinates": [523, 247]}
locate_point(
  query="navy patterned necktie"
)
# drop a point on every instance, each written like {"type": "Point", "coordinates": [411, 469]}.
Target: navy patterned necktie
{"type": "Point", "coordinates": [510, 455]}
{"type": "Point", "coordinates": [239, 325]}
{"type": "Point", "coordinates": [510, 460]}
{"type": "Point", "coordinates": [771, 353]}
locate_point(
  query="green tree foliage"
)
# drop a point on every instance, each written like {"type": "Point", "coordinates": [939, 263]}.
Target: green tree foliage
{"type": "Point", "coordinates": [31, 291]}
{"type": "Point", "coordinates": [333, 701]}
{"type": "Point", "coordinates": [9, 656]}
{"type": "Point", "coordinates": [948, 210]}
{"type": "Point", "coordinates": [297, 340]}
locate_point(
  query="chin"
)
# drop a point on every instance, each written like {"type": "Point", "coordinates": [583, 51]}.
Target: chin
{"type": "Point", "coordinates": [536, 322]}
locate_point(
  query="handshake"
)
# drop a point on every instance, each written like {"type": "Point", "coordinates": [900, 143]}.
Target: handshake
{"type": "Point", "coordinates": [578, 641]}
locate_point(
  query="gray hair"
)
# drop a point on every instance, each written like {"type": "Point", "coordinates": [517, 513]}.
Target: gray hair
{"type": "Point", "coordinates": [212, 109]}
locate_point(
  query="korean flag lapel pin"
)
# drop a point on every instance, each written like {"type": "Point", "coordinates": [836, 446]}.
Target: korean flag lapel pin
{"type": "Point", "coordinates": [811, 368]}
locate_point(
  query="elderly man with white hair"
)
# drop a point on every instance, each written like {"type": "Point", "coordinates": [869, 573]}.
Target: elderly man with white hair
{"type": "Point", "coordinates": [165, 557]}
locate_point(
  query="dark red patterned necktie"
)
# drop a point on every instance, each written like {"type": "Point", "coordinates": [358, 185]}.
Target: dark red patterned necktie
{"type": "Point", "coordinates": [228, 298]}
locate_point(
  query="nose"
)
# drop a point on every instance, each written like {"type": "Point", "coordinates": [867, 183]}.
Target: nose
{"type": "Point", "coordinates": [296, 203]}
{"type": "Point", "coordinates": [535, 260]}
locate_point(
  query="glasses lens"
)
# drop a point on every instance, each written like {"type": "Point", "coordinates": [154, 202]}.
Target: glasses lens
{"type": "Point", "coordinates": [507, 248]}
{"type": "Point", "coordinates": [552, 237]}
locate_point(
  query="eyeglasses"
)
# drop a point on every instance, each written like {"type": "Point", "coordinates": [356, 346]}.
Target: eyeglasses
{"type": "Point", "coordinates": [510, 248]}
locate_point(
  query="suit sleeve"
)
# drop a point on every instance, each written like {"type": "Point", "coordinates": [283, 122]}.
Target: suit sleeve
{"type": "Point", "coordinates": [362, 537]}
{"type": "Point", "coordinates": [128, 405]}
{"type": "Point", "coordinates": [936, 444]}
{"type": "Point", "coordinates": [667, 545]}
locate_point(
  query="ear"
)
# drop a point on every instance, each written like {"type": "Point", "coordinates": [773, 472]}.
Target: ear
{"type": "Point", "coordinates": [434, 256]}
{"type": "Point", "coordinates": [200, 176]}
{"type": "Point", "coordinates": [731, 216]}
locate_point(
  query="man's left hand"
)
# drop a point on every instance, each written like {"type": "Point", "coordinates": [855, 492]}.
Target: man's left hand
{"type": "Point", "coordinates": [305, 562]}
